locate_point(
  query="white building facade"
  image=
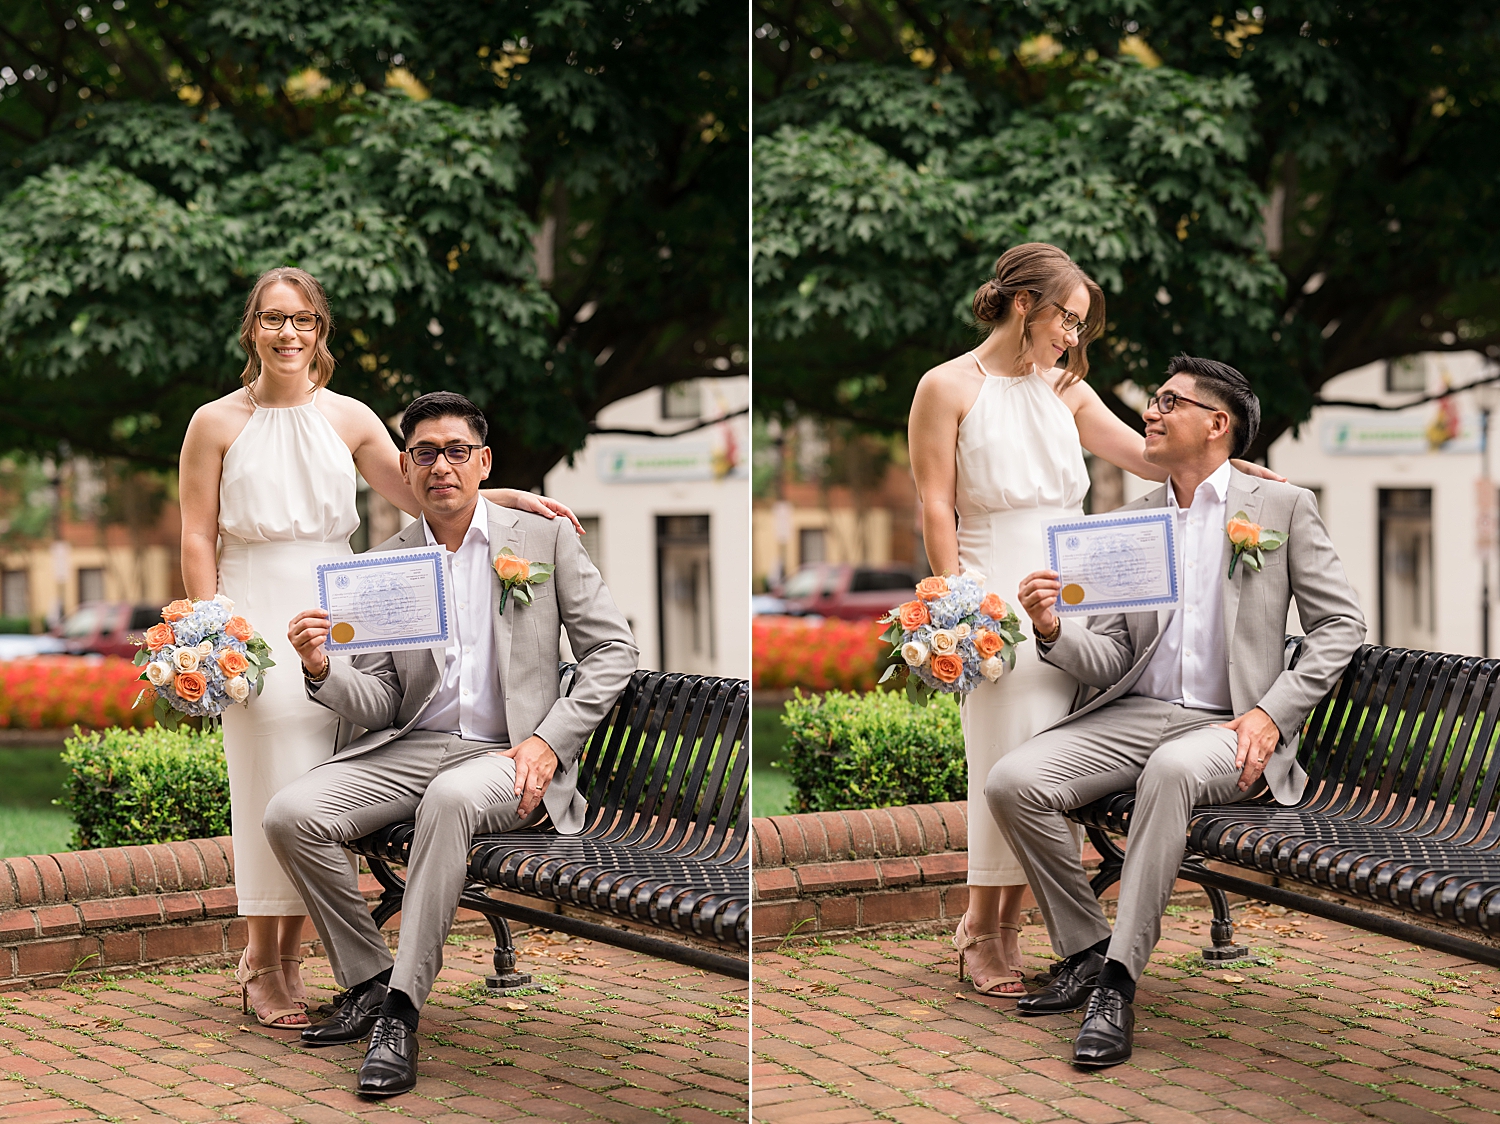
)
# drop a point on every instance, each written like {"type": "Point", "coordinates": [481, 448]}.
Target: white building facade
{"type": "Point", "coordinates": [668, 520]}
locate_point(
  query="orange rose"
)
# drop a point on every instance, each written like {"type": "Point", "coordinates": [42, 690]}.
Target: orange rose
{"type": "Point", "coordinates": [177, 610]}
{"type": "Point", "coordinates": [912, 614]}
{"type": "Point", "coordinates": [158, 636]}
{"type": "Point", "coordinates": [992, 606]}
{"type": "Point", "coordinates": [1244, 534]}
{"type": "Point", "coordinates": [231, 663]}
{"type": "Point", "coordinates": [947, 668]}
{"type": "Point", "coordinates": [238, 627]}
{"type": "Point", "coordinates": [190, 685]}
{"type": "Point", "coordinates": [930, 589]}
{"type": "Point", "coordinates": [988, 643]}
{"type": "Point", "coordinates": [511, 568]}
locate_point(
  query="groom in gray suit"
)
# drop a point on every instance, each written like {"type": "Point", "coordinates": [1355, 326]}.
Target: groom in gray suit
{"type": "Point", "coordinates": [474, 737]}
{"type": "Point", "coordinates": [1195, 706]}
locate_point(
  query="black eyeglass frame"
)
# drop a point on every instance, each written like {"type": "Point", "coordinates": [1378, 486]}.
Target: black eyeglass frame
{"type": "Point", "coordinates": [420, 451]}
{"type": "Point", "coordinates": [261, 315]}
{"type": "Point", "coordinates": [1156, 403]}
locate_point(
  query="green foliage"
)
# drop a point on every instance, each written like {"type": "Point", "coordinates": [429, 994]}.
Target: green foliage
{"type": "Point", "coordinates": [1298, 193]}
{"type": "Point", "coordinates": [538, 205]}
{"type": "Point", "coordinates": [146, 786]}
{"type": "Point", "coordinates": [872, 751]}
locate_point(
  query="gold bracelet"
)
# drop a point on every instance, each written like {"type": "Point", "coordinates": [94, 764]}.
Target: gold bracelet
{"type": "Point", "coordinates": [1052, 637]}
{"type": "Point", "coordinates": [322, 675]}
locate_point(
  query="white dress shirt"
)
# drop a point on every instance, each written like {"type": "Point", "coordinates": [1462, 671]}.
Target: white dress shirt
{"type": "Point", "coordinates": [469, 701]}
{"type": "Point", "coordinates": [1191, 664]}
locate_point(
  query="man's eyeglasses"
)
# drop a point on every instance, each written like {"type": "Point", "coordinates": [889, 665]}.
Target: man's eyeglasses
{"type": "Point", "coordinates": [427, 455]}
{"type": "Point", "coordinates": [1166, 402]}
{"type": "Point", "coordinates": [302, 321]}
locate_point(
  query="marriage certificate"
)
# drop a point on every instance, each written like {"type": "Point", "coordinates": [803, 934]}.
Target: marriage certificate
{"type": "Point", "coordinates": [1115, 563]}
{"type": "Point", "coordinates": [384, 601]}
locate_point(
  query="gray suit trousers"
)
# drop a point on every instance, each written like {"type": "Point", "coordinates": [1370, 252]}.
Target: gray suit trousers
{"type": "Point", "coordinates": [453, 788]}
{"type": "Point", "coordinates": [1170, 755]}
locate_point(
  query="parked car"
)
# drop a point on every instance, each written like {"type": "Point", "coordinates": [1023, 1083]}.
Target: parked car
{"type": "Point", "coordinates": [838, 589]}
{"type": "Point", "coordinates": [22, 646]}
{"type": "Point", "coordinates": [106, 627]}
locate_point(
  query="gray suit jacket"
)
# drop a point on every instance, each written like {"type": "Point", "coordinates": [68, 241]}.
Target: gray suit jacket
{"type": "Point", "coordinates": [385, 692]}
{"type": "Point", "coordinates": [1112, 651]}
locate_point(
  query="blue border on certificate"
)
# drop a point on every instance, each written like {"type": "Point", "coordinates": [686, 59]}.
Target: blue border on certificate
{"type": "Point", "coordinates": [1160, 515]}
{"type": "Point", "coordinates": [443, 636]}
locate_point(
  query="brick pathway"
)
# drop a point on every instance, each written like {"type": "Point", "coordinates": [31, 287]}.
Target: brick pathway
{"type": "Point", "coordinates": [1336, 1025]}
{"type": "Point", "coordinates": [620, 1038]}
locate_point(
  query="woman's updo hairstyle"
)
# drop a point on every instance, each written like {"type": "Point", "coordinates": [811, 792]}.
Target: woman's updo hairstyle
{"type": "Point", "coordinates": [1047, 276]}
{"type": "Point", "coordinates": [317, 301]}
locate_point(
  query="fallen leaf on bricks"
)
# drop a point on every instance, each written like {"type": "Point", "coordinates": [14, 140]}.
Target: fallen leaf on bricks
{"type": "Point", "coordinates": [518, 1006]}
{"type": "Point", "coordinates": [1230, 978]}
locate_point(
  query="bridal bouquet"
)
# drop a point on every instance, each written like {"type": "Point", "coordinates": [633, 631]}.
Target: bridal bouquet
{"type": "Point", "coordinates": [951, 637]}
{"type": "Point", "coordinates": [200, 659]}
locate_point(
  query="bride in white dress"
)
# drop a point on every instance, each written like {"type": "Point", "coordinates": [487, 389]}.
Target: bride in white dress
{"type": "Point", "coordinates": [267, 485]}
{"type": "Point", "coordinates": [997, 438]}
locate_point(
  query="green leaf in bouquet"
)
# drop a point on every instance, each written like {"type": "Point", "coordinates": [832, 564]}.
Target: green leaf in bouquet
{"type": "Point", "coordinates": [917, 692]}
{"type": "Point", "coordinates": [890, 670]}
{"type": "Point", "coordinates": [142, 658]}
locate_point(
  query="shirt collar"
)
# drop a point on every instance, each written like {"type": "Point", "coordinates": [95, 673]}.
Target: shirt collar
{"type": "Point", "coordinates": [1219, 482]}
{"type": "Point", "coordinates": [479, 525]}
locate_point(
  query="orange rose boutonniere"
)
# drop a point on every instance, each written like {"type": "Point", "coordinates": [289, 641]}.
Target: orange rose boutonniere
{"type": "Point", "coordinates": [1251, 540]}
{"type": "Point", "coordinates": [517, 575]}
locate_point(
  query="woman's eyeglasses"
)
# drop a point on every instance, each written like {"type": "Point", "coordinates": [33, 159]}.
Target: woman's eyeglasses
{"type": "Point", "coordinates": [427, 455]}
{"type": "Point", "coordinates": [1070, 319]}
{"type": "Point", "coordinates": [1166, 402]}
{"type": "Point", "coordinates": [302, 321]}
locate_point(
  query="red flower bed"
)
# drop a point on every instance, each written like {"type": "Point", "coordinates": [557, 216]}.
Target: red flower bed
{"type": "Point", "coordinates": [59, 691]}
{"type": "Point", "coordinates": [820, 656]}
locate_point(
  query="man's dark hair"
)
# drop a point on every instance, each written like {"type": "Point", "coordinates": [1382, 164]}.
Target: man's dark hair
{"type": "Point", "coordinates": [443, 404]}
{"type": "Point", "coordinates": [1227, 388]}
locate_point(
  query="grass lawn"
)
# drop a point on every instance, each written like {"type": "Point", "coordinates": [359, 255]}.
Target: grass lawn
{"type": "Point", "coordinates": [29, 823]}
{"type": "Point", "coordinates": [771, 788]}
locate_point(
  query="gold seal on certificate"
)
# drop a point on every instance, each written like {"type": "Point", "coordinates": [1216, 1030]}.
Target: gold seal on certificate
{"type": "Point", "coordinates": [1115, 563]}
{"type": "Point", "coordinates": [385, 601]}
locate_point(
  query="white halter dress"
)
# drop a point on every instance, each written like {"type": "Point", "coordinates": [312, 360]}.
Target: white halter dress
{"type": "Point", "coordinates": [286, 499]}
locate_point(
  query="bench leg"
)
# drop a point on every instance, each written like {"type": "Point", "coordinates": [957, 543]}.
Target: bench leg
{"type": "Point", "coordinates": [506, 979]}
{"type": "Point", "coordinates": [1221, 929]}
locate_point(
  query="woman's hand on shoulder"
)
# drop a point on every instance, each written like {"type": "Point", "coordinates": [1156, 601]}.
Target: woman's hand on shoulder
{"type": "Point", "coordinates": [537, 505]}
{"type": "Point", "coordinates": [1250, 468]}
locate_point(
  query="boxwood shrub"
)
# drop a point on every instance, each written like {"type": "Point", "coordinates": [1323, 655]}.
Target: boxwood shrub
{"type": "Point", "coordinates": [872, 751]}
{"type": "Point", "coordinates": [145, 786]}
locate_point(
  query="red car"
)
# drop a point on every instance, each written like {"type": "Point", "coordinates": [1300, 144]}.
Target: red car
{"type": "Point", "coordinates": [832, 589]}
{"type": "Point", "coordinates": [106, 627]}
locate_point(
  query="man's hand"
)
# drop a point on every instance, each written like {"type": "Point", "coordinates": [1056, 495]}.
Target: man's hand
{"type": "Point", "coordinates": [307, 632]}
{"type": "Point", "coordinates": [1038, 593]}
{"type": "Point", "coordinates": [1258, 737]}
{"type": "Point", "coordinates": [535, 763]}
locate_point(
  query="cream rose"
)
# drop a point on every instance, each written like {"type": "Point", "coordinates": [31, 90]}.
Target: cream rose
{"type": "Point", "coordinates": [158, 673]}
{"type": "Point", "coordinates": [992, 668]}
{"type": "Point", "coordinates": [185, 659]}
{"type": "Point", "coordinates": [220, 599]}
{"type": "Point", "coordinates": [237, 688]}
{"type": "Point", "coordinates": [975, 575]}
{"type": "Point", "coordinates": [944, 642]}
{"type": "Point", "coordinates": [914, 652]}
{"type": "Point", "coordinates": [205, 647]}
{"type": "Point", "coordinates": [961, 630]}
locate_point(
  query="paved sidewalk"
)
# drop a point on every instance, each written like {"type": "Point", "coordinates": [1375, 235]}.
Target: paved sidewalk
{"type": "Point", "coordinates": [1336, 1025]}
{"type": "Point", "coordinates": [619, 1037]}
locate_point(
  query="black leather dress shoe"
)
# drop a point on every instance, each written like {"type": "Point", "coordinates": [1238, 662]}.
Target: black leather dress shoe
{"type": "Point", "coordinates": [350, 1022]}
{"type": "Point", "coordinates": [1069, 989]}
{"type": "Point", "coordinates": [390, 1064]}
{"type": "Point", "coordinates": [1107, 1032]}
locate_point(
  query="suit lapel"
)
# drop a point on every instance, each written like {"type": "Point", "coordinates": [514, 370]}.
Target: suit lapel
{"type": "Point", "coordinates": [1148, 626]}
{"type": "Point", "coordinates": [1243, 495]}
{"type": "Point", "coordinates": [503, 533]}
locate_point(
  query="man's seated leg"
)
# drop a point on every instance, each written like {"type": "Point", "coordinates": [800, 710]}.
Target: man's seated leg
{"type": "Point", "coordinates": [1195, 767]}
{"type": "Point", "coordinates": [476, 794]}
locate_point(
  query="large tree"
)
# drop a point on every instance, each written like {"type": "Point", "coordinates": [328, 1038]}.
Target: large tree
{"type": "Point", "coordinates": [539, 204]}
{"type": "Point", "coordinates": [1299, 190]}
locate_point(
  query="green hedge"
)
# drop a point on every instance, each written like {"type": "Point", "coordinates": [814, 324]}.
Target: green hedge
{"type": "Point", "coordinates": [145, 786]}
{"type": "Point", "coordinates": [872, 751]}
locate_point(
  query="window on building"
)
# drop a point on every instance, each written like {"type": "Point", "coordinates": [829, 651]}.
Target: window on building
{"type": "Point", "coordinates": [592, 543]}
{"type": "Point", "coordinates": [685, 593]}
{"type": "Point", "coordinates": [1406, 375]}
{"type": "Point", "coordinates": [682, 401]}
{"type": "Point", "coordinates": [812, 545]}
{"type": "Point", "coordinates": [90, 584]}
{"type": "Point", "coordinates": [15, 595]}
{"type": "Point", "coordinates": [1407, 606]}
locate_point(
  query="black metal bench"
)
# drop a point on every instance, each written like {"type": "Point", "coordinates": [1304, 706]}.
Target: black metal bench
{"type": "Point", "coordinates": [666, 842]}
{"type": "Point", "coordinates": [1399, 809]}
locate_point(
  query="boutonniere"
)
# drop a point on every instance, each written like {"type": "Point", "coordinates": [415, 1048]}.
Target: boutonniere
{"type": "Point", "coordinates": [518, 576]}
{"type": "Point", "coordinates": [1250, 539]}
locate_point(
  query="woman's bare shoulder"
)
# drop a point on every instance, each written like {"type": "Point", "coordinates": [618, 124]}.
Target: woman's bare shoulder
{"type": "Point", "coordinates": [952, 381]}
{"type": "Point", "coordinates": [220, 421]}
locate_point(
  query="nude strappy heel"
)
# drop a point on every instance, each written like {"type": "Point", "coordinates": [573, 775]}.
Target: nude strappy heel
{"type": "Point", "coordinates": [296, 960]}
{"type": "Point", "coordinates": [963, 942]}
{"type": "Point", "coordinates": [243, 974]}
